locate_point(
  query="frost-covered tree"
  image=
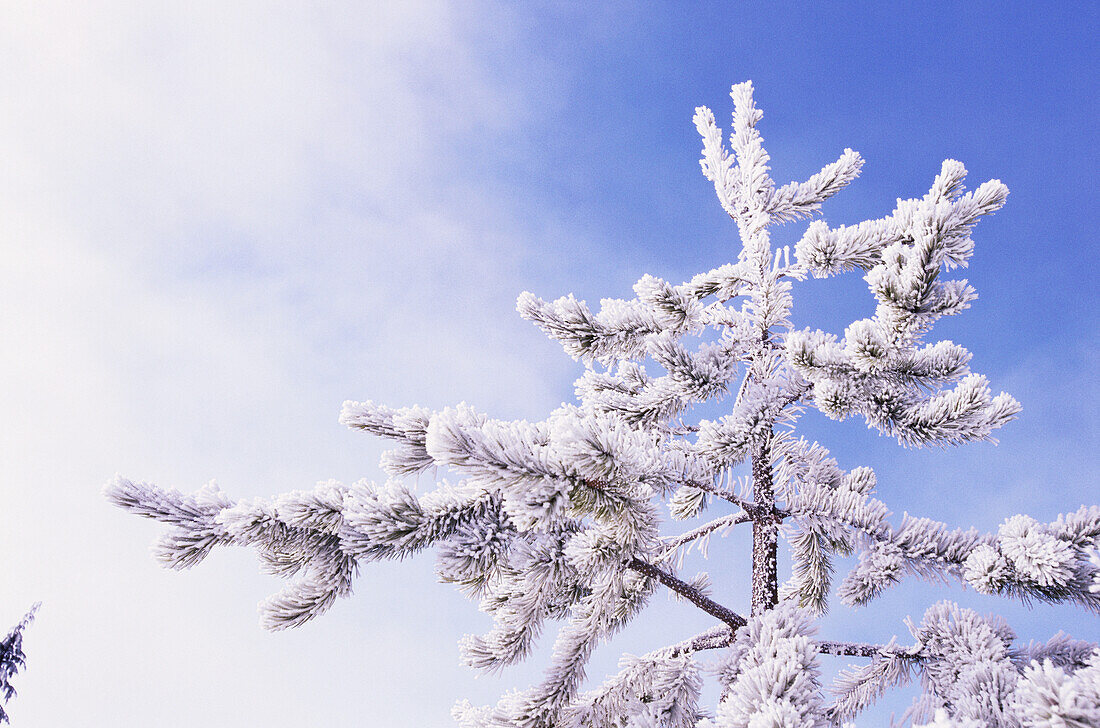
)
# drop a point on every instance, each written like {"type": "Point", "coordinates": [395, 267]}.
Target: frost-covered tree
{"type": "Point", "coordinates": [12, 659]}
{"type": "Point", "coordinates": [571, 520]}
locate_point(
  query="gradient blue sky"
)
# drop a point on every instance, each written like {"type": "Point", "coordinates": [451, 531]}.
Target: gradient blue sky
{"type": "Point", "coordinates": [218, 223]}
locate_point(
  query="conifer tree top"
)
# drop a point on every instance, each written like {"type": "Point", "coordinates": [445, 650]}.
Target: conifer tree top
{"type": "Point", "coordinates": [573, 520]}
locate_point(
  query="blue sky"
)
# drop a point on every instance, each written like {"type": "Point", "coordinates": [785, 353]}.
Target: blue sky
{"type": "Point", "coordinates": [219, 223]}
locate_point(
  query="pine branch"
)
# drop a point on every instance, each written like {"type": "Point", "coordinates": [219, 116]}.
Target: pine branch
{"type": "Point", "coordinates": [719, 637]}
{"type": "Point", "coordinates": [12, 658]}
{"type": "Point", "coordinates": [712, 639]}
{"type": "Point", "coordinates": [1025, 559]}
{"type": "Point", "coordinates": [660, 686]}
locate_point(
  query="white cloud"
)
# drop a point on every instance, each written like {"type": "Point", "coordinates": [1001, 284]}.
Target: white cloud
{"type": "Point", "coordinates": [217, 221]}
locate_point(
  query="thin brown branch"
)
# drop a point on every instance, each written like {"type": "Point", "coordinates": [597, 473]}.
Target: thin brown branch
{"type": "Point", "coordinates": [687, 591]}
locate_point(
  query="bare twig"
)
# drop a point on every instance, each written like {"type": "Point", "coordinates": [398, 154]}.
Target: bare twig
{"type": "Point", "coordinates": [687, 591]}
{"type": "Point", "coordinates": [675, 543]}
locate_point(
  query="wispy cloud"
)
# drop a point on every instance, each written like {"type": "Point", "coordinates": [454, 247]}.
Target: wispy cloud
{"type": "Point", "coordinates": [218, 221]}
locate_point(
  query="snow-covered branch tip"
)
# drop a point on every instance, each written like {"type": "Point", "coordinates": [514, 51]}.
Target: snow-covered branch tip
{"type": "Point", "coordinates": [12, 658]}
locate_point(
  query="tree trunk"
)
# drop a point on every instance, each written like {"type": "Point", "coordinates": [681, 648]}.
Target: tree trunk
{"type": "Point", "coordinates": [765, 577]}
